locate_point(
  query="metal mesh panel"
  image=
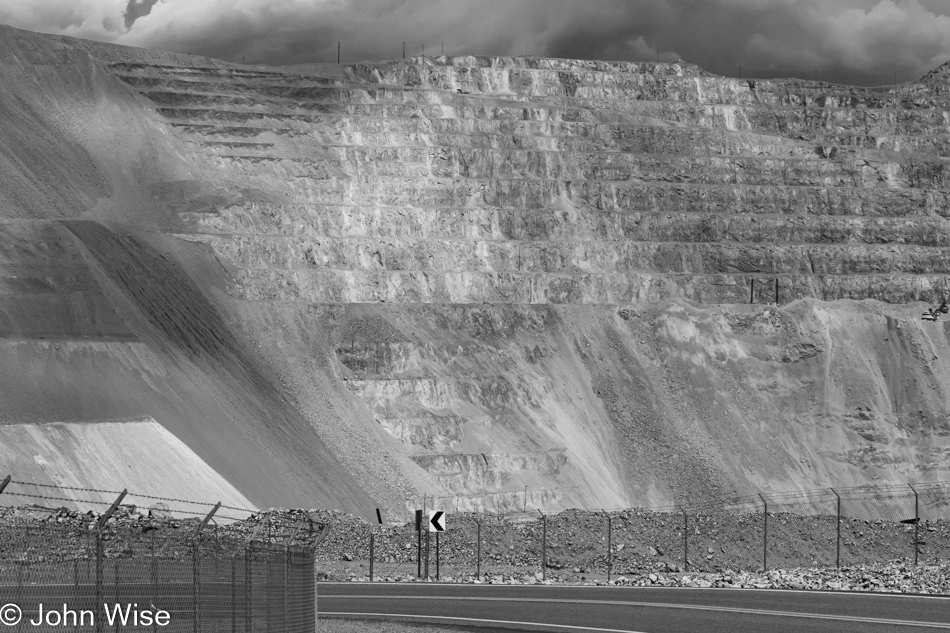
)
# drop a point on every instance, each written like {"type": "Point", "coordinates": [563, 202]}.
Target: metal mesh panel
{"type": "Point", "coordinates": [802, 529]}
{"type": "Point", "coordinates": [395, 552]}
{"type": "Point", "coordinates": [643, 541]}
{"type": "Point", "coordinates": [934, 501]}
{"type": "Point", "coordinates": [162, 574]}
{"type": "Point", "coordinates": [895, 503]}
{"type": "Point", "coordinates": [459, 548]}
{"type": "Point", "coordinates": [736, 541]}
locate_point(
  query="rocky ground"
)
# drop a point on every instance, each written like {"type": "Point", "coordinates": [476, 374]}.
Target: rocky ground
{"type": "Point", "coordinates": [892, 577]}
{"type": "Point", "coordinates": [640, 541]}
{"type": "Point", "coordinates": [724, 550]}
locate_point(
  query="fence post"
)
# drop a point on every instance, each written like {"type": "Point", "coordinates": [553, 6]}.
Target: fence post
{"type": "Point", "coordinates": [765, 536]}
{"type": "Point", "coordinates": [76, 586]}
{"type": "Point", "coordinates": [154, 575]}
{"type": "Point", "coordinates": [195, 567]}
{"type": "Point", "coordinates": [248, 586]}
{"type": "Point", "coordinates": [99, 577]}
{"type": "Point", "coordinates": [372, 554]}
{"type": "Point", "coordinates": [544, 545]}
{"type": "Point", "coordinates": [115, 586]}
{"type": "Point", "coordinates": [916, 523]}
{"type": "Point", "coordinates": [286, 588]}
{"type": "Point", "coordinates": [99, 551]}
{"type": "Point", "coordinates": [4, 483]}
{"type": "Point", "coordinates": [195, 584]}
{"type": "Point", "coordinates": [685, 540]}
{"type": "Point", "coordinates": [233, 592]}
{"type": "Point", "coordinates": [609, 549]}
{"type": "Point", "coordinates": [838, 544]}
{"type": "Point", "coordinates": [478, 549]}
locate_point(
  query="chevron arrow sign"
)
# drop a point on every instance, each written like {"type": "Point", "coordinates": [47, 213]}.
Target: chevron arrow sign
{"type": "Point", "coordinates": [436, 521]}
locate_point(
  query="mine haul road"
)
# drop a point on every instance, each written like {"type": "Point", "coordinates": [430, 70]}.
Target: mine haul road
{"type": "Point", "coordinates": [634, 609]}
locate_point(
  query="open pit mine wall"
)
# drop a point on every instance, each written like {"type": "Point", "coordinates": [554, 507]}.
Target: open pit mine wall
{"type": "Point", "coordinates": [514, 284]}
{"type": "Point", "coordinates": [117, 367]}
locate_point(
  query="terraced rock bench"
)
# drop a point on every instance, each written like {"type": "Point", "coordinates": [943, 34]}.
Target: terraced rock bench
{"type": "Point", "coordinates": [461, 202]}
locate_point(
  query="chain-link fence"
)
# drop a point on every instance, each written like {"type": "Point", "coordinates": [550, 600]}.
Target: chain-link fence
{"type": "Point", "coordinates": [163, 566]}
{"type": "Point", "coordinates": [825, 528]}
{"type": "Point", "coordinates": [232, 569]}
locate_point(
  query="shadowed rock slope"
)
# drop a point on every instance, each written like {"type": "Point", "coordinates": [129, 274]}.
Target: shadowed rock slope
{"type": "Point", "coordinates": [505, 283]}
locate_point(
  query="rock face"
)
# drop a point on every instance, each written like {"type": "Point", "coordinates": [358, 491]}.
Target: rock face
{"type": "Point", "coordinates": [520, 283]}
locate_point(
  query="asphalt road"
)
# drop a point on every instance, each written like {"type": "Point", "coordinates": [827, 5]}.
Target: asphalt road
{"type": "Point", "coordinates": [632, 609]}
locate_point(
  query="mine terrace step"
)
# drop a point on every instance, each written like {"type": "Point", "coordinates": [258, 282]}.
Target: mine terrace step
{"type": "Point", "coordinates": [399, 359]}
{"type": "Point", "coordinates": [443, 394]}
{"type": "Point", "coordinates": [727, 198]}
{"type": "Point", "coordinates": [794, 128]}
{"type": "Point", "coordinates": [477, 128]}
{"type": "Point", "coordinates": [615, 167]}
{"type": "Point", "coordinates": [467, 158]}
{"type": "Point", "coordinates": [550, 227]}
{"type": "Point", "coordinates": [461, 104]}
{"type": "Point", "coordinates": [644, 137]}
{"type": "Point", "coordinates": [168, 69]}
{"type": "Point", "coordinates": [837, 148]}
{"type": "Point", "coordinates": [928, 177]}
{"type": "Point", "coordinates": [434, 432]}
{"type": "Point", "coordinates": [530, 111]}
{"type": "Point", "coordinates": [433, 256]}
{"type": "Point", "coordinates": [714, 91]}
{"type": "Point", "coordinates": [654, 227]}
{"type": "Point", "coordinates": [817, 93]}
{"type": "Point", "coordinates": [335, 287]}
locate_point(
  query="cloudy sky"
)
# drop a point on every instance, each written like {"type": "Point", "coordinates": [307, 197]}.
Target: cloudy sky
{"type": "Point", "coordinates": [850, 41]}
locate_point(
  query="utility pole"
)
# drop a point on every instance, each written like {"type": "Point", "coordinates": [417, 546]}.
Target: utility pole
{"type": "Point", "coordinates": [404, 50]}
{"type": "Point", "coordinates": [338, 52]}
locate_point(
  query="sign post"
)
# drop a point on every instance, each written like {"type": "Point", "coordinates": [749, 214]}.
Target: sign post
{"type": "Point", "coordinates": [419, 543]}
{"type": "Point", "coordinates": [437, 525]}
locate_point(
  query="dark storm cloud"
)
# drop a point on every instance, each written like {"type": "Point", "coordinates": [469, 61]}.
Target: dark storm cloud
{"type": "Point", "coordinates": [137, 9]}
{"type": "Point", "coordinates": [851, 41]}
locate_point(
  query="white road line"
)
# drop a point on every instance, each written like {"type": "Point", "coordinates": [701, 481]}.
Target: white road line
{"type": "Point", "coordinates": [821, 592]}
{"type": "Point", "coordinates": [457, 619]}
{"type": "Point", "coordinates": [662, 605]}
